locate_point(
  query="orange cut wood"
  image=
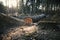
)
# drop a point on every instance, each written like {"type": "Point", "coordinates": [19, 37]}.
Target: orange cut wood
{"type": "Point", "coordinates": [28, 20]}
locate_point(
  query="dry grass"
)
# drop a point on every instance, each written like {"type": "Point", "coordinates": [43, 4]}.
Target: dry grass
{"type": "Point", "coordinates": [20, 31]}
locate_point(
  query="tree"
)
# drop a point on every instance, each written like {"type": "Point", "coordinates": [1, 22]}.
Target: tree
{"type": "Point", "coordinates": [2, 8]}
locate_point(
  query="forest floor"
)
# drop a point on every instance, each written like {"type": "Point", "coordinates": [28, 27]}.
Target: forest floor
{"type": "Point", "coordinates": [13, 30]}
{"type": "Point", "coordinates": [30, 33]}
